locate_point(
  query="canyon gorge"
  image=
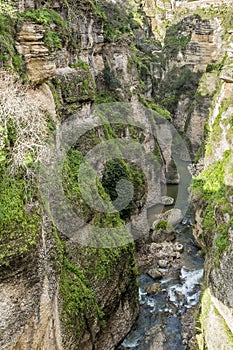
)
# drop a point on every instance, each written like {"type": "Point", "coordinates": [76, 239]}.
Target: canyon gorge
{"type": "Point", "coordinates": [138, 96]}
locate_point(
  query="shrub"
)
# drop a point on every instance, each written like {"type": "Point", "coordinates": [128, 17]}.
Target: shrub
{"type": "Point", "coordinates": [22, 121]}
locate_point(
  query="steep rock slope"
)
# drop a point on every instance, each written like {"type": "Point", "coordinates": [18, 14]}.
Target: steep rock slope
{"type": "Point", "coordinates": [56, 294]}
{"type": "Point", "coordinates": [212, 196]}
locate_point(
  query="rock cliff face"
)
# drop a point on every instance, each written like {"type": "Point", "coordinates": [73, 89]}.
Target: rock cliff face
{"type": "Point", "coordinates": [213, 227]}
{"type": "Point", "coordinates": [40, 64]}
{"type": "Point", "coordinates": [212, 195]}
{"type": "Point", "coordinates": [57, 294]}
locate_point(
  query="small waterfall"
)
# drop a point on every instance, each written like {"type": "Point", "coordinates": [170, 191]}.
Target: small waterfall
{"type": "Point", "coordinates": [186, 294]}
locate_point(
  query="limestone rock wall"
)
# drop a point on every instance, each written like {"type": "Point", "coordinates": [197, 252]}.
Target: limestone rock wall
{"type": "Point", "coordinates": [44, 292]}
{"type": "Point", "coordinates": [184, 68]}
{"type": "Point", "coordinates": [213, 227]}
{"type": "Point", "coordinates": [29, 299]}
{"type": "Point", "coordinates": [40, 64]}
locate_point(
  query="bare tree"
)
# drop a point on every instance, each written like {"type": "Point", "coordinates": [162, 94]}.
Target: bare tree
{"type": "Point", "coordinates": [23, 123]}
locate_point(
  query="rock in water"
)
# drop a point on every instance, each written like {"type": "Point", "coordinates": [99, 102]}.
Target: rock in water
{"type": "Point", "coordinates": [178, 247]}
{"type": "Point", "coordinates": [172, 216]}
{"type": "Point", "coordinates": [154, 273]}
{"type": "Point", "coordinates": [166, 200]}
{"type": "Point", "coordinates": [154, 288]}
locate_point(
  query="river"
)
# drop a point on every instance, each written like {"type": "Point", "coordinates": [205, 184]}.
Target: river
{"type": "Point", "coordinates": [159, 325]}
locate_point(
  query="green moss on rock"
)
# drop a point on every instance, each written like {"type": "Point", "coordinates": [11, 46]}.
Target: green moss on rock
{"type": "Point", "coordinates": [20, 219]}
{"type": "Point", "coordinates": [74, 86]}
{"type": "Point", "coordinates": [78, 300]}
{"type": "Point", "coordinates": [210, 190]}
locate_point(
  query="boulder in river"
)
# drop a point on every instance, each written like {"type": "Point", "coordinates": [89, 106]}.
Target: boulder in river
{"type": "Point", "coordinates": [178, 247]}
{"type": "Point", "coordinates": [155, 338]}
{"type": "Point", "coordinates": [161, 235]}
{"type": "Point", "coordinates": [172, 216]}
{"type": "Point", "coordinates": [154, 273]}
{"type": "Point", "coordinates": [154, 288]}
{"type": "Point", "coordinates": [166, 200]}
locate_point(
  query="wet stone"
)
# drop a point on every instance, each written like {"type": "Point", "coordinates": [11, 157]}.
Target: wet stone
{"type": "Point", "coordinates": [166, 200]}
{"type": "Point", "coordinates": [178, 247]}
{"type": "Point", "coordinates": [154, 273]}
{"type": "Point", "coordinates": [154, 288]}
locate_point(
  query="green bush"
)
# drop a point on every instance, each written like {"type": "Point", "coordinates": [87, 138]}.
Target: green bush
{"type": "Point", "coordinates": [43, 16]}
{"type": "Point", "coordinates": [175, 40]}
{"type": "Point", "coordinates": [162, 224]}
{"type": "Point", "coordinates": [52, 40]}
{"type": "Point", "coordinates": [222, 243]}
{"type": "Point", "coordinates": [80, 64]}
{"type": "Point", "coordinates": [116, 170]}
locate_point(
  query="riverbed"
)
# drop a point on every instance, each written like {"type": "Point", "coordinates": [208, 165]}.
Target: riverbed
{"type": "Point", "coordinates": [159, 325]}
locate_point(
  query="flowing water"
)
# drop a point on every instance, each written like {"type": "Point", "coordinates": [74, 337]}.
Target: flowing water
{"type": "Point", "coordinates": [160, 314]}
{"type": "Point", "coordinates": [163, 310]}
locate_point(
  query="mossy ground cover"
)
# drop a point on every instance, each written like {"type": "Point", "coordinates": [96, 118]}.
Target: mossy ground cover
{"type": "Point", "coordinates": [78, 300]}
{"type": "Point", "coordinates": [224, 12]}
{"type": "Point", "coordinates": [81, 271]}
{"type": "Point", "coordinates": [114, 171]}
{"type": "Point", "coordinates": [20, 208]}
{"type": "Point", "coordinates": [201, 322]}
{"type": "Point", "coordinates": [207, 309]}
{"type": "Point", "coordinates": [58, 33]}
{"type": "Point", "coordinates": [9, 58]}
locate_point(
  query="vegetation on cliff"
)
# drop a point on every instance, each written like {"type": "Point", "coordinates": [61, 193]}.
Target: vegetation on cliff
{"type": "Point", "coordinates": [24, 127]}
{"type": "Point", "coordinates": [212, 193]}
